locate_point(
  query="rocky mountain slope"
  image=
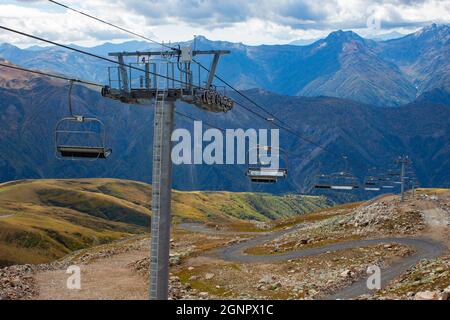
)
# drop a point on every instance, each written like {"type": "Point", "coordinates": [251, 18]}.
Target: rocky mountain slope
{"type": "Point", "coordinates": [31, 106]}
{"type": "Point", "coordinates": [382, 73]}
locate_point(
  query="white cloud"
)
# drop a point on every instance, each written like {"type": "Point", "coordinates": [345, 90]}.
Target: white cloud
{"type": "Point", "coordinates": [249, 21]}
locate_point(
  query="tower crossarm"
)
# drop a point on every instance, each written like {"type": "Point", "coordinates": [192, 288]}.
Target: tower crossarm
{"type": "Point", "coordinates": [135, 83]}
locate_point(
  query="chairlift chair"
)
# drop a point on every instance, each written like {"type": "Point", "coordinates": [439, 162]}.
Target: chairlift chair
{"type": "Point", "coordinates": [386, 183]}
{"type": "Point", "coordinates": [344, 181]}
{"type": "Point", "coordinates": [393, 173]}
{"type": "Point", "coordinates": [78, 137]}
{"type": "Point", "coordinates": [322, 182]}
{"type": "Point", "coordinates": [371, 184]}
{"type": "Point", "coordinates": [262, 172]}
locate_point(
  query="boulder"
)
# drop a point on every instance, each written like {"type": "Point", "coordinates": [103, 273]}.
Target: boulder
{"type": "Point", "coordinates": [427, 295]}
{"type": "Point", "coordinates": [346, 274]}
{"type": "Point", "coordinates": [266, 279]}
{"type": "Point", "coordinates": [209, 276]}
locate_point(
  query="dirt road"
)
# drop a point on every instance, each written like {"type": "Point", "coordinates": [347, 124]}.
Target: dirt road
{"type": "Point", "coordinates": [109, 279]}
{"type": "Point", "coordinates": [424, 249]}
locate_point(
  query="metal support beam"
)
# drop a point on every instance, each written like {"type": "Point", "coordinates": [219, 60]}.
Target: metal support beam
{"type": "Point", "coordinates": [212, 70]}
{"type": "Point", "coordinates": [402, 179]}
{"type": "Point", "coordinates": [123, 73]}
{"type": "Point", "coordinates": [403, 161]}
{"type": "Point", "coordinates": [165, 53]}
{"type": "Point", "coordinates": [147, 76]}
{"type": "Point", "coordinates": [161, 199]}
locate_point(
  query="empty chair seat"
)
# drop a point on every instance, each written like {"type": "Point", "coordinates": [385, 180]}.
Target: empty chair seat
{"type": "Point", "coordinates": [372, 184]}
{"type": "Point", "coordinates": [343, 187]}
{"type": "Point", "coordinates": [83, 152]}
{"type": "Point", "coordinates": [266, 175]}
{"type": "Point", "coordinates": [343, 181]}
{"type": "Point", "coordinates": [322, 186]}
{"type": "Point", "coordinates": [322, 182]}
{"type": "Point", "coordinates": [80, 137]}
{"type": "Point", "coordinates": [262, 172]}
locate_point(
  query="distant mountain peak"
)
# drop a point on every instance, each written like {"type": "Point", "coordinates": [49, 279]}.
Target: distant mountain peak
{"type": "Point", "coordinates": [435, 27]}
{"type": "Point", "coordinates": [441, 31]}
{"type": "Point", "coordinates": [201, 38]}
{"type": "Point", "coordinates": [4, 46]}
{"type": "Point", "coordinates": [343, 36]}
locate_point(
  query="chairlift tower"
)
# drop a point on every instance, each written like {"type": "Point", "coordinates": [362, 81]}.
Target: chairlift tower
{"type": "Point", "coordinates": [403, 161]}
{"type": "Point", "coordinates": [162, 78]}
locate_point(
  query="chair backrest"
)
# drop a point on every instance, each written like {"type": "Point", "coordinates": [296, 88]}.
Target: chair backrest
{"type": "Point", "coordinates": [80, 138]}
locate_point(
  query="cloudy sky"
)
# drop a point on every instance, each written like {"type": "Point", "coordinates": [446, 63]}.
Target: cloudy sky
{"type": "Point", "coordinates": [247, 21]}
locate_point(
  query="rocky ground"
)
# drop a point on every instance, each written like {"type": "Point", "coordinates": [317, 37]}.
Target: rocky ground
{"type": "Point", "coordinates": [305, 278]}
{"type": "Point", "coordinates": [429, 280]}
{"type": "Point", "coordinates": [197, 273]}
{"type": "Point", "coordinates": [17, 282]}
{"type": "Point", "coordinates": [384, 218]}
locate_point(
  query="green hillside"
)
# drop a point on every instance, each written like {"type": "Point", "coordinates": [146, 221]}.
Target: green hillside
{"type": "Point", "coordinates": [43, 220]}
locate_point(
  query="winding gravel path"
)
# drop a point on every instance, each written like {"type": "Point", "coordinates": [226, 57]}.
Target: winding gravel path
{"type": "Point", "coordinates": [424, 249]}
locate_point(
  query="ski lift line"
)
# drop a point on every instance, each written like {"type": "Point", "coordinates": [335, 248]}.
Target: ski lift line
{"type": "Point", "coordinates": [203, 67]}
{"type": "Point", "coordinates": [111, 24]}
{"type": "Point", "coordinates": [51, 75]}
{"type": "Point", "coordinates": [286, 128]}
{"type": "Point", "coordinates": [384, 186]}
{"type": "Point", "coordinates": [94, 55]}
{"type": "Point", "coordinates": [206, 69]}
{"type": "Point", "coordinates": [181, 114]}
{"type": "Point", "coordinates": [175, 80]}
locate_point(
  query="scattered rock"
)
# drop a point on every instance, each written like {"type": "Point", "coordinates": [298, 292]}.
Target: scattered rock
{"type": "Point", "coordinates": [266, 279]}
{"type": "Point", "coordinates": [209, 276]}
{"type": "Point", "coordinates": [16, 282]}
{"type": "Point", "coordinates": [346, 274]}
{"type": "Point", "coordinates": [174, 260]}
{"type": "Point", "coordinates": [275, 286]}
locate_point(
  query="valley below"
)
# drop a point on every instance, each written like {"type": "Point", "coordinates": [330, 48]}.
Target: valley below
{"type": "Point", "coordinates": [223, 245]}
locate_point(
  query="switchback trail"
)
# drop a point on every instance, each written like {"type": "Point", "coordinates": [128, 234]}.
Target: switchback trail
{"type": "Point", "coordinates": [424, 249]}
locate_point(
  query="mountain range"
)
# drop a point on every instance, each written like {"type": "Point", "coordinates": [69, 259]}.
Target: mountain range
{"type": "Point", "coordinates": [344, 65]}
{"type": "Point", "coordinates": [370, 136]}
